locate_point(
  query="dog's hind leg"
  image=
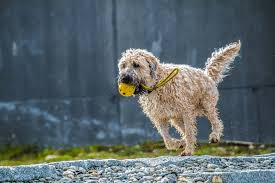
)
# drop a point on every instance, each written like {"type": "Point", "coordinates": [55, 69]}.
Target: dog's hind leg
{"type": "Point", "coordinates": [163, 128]}
{"type": "Point", "coordinates": [217, 126]}
{"type": "Point", "coordinates": [190, 134]}
{"type": "Point", "coordinates": [213, 116]}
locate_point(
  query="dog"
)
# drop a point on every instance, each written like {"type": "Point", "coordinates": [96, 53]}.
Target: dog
{"type": "Point", "coordinates": [190, 93]}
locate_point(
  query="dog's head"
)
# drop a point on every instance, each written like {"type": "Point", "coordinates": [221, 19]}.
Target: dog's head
{"type": "Point", "coordinates": [137, 67]}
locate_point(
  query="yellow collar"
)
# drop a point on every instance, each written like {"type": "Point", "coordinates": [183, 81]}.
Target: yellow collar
{"type": "Point", "coordinates": [162, 82]}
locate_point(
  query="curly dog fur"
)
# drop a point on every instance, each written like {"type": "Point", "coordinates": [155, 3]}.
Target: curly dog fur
{"type": "Point", "coordinates": [191, 93]}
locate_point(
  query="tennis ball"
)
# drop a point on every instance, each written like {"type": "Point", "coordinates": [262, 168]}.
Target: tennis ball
{"type": "Point", "coordinates": [126, 90]}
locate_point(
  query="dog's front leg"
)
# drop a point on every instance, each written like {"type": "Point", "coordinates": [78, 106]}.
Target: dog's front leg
{"type": "Point", "coordinates": [190, 134]}
{"type": "Point", "coordinates": [163, 128]}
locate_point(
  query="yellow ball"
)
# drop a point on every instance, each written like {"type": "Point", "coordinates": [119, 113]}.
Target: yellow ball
{"type": "Point", "coordinates": [126, 90]}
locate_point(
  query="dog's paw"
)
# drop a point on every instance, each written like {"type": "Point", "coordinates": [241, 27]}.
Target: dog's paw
{"type": "Point", "coordinates": [188, 151]}
{"type": "Point", "coordinates": [214, 138]}
{"type": "Point", "coordinates": [185, 153]}
{"type": "Point", "coordinates": [179, 144]}
{"type": "Point", "coordinates": [175, 144]}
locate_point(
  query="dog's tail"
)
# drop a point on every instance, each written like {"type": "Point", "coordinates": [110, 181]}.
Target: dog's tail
{"type": "Point", "coordinates": [219, 63]}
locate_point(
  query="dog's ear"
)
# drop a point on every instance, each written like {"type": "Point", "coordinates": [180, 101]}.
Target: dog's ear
{"type": "Point", "coordinates": [152, 62]}
{"type": "Point", "coordinates": [153, 68]}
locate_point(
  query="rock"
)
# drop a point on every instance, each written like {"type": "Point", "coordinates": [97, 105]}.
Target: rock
{"type": "Point", "coordinates": [67, 172]}
{"type": "Point", "coordinates": [146, 170]}
{"type": "Point", "coordinates": [118, 181]}
{"type": "Point", "coordinates": [100, 172]}
{"type": "Point", "coordinates": [65, 180]}
{"type": "Point", "coordinates": [94, 172]}
{"type": "Point", "coordinates": [103, 180]}
{"type": "Point", "coordinates": [140, 174]}
{"type": "Point", "coordinates": [123, 176]}
{"type": "Point", "coordinates": [139, 165]}
{"type": "Point", "coordinates": [210, 170]}
{"type": "Point", "coordinates": [198, 179]}
{"type": "Point", "coordinates": [84, 176]}
{"type": "Point", "coordinates": [174, 166]}
{"type": "Point", "coordinates": [146, 179]}
{"type": "Point", "coordinates": [134, 179]}
{"type": "Point", "coordinates": [108, 169]}
{"type": "Point", "coordinates": [81, 170]}
{"type": "Point", "coordinates": [130, 171]}
{"type": "Point", "coordinates": [183, 179]}
{"type": "Point", "coordinates": [267, 162]}
{"type": "Point", "coordinates": [42, 179]}
{"type": "Point", "coordinates": [216, 179]}
{"type": "Point", "coordinates": [49, 178]}
{"type": "Point", "coordinates": [91, 181]}
{"type": "Point", "coordinates": [170, 178]}
{"type": "Point", "coordinates": [212, 166]}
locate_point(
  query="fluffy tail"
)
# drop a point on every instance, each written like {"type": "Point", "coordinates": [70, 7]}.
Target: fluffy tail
{"type": "Point", "coordinates": [217, 65]}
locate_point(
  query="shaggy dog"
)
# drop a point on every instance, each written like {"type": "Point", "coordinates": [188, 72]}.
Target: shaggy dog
{"type": "Point", "coordinates": [192, 92]}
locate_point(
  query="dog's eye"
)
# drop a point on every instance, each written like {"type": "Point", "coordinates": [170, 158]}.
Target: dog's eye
{"type": "Point", "coordinates": [136, 65]}
{"type": "Point", "coordinates": [123, 66]}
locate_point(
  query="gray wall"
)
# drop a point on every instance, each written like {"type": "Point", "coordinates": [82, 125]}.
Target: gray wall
{"type": "Point", "coordinates": [58, 66]}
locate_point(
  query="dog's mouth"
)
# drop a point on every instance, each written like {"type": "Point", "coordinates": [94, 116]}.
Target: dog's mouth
{"type": "Point", "coordinates": [139, 89]}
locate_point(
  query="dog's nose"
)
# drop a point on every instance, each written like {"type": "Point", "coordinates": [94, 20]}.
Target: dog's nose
{"type": "Point", "coordinates": [126, 79]}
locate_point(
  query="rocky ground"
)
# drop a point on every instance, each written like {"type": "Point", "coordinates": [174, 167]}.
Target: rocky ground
{"type": "Point", "coordinates": [198, 169]}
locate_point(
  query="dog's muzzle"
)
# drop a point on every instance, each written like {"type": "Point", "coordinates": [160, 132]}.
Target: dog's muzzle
{"type": "Point", "coordinates": [129, 86]}
{"type": "Point", "coordinates": [127, 79]}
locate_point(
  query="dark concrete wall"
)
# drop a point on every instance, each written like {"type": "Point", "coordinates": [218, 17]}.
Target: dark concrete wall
{"type": "Point", "coordinates": [58, 66]}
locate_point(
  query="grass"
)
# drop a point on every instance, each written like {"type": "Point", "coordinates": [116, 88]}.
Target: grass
{"type": "Point", "coordinates": [28, 154]}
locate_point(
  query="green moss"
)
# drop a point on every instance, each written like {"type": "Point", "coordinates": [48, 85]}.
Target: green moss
{"type": "Point", "coordinates": [27, 154]}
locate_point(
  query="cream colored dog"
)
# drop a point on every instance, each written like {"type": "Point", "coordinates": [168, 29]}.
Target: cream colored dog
{"type": "Point", "coordinates": [192, 92]}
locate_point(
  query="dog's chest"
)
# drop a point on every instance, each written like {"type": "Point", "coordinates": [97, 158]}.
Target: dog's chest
{"type": "Point", "coordinates": [159, 105]}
